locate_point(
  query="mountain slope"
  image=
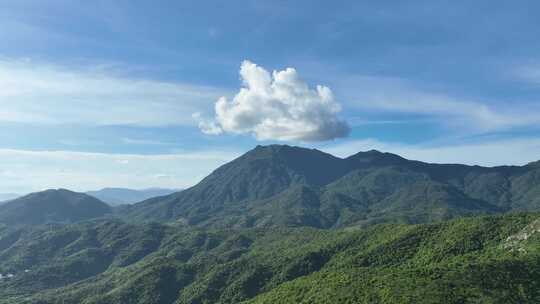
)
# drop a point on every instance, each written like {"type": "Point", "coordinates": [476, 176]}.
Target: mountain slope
{"type": "Point", "coordinates": [123, 196]}
{"type": "Point", "coordinates": [258, 174]}
{"type": "Point", "coordinates": [458, 262]}
{"type": "Point", "coordinates": [290, 186]}
{"type": "Point", "coordinates": [51, 206]}
{"type": "Point", "coordinates": [473, 260]}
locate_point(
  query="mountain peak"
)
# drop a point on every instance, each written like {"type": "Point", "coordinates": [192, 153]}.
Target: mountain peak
{"type": "Point", "coordinates": [59, 193]}
{"type": "Point", "coordinates": [373, 151]}
{"type": "Point", "coordinates": [286, 153]}
{"type": "Point", "coordinates": [278, 149]}
{"type": "Point", "coordinates": [375, 158]}
{"type": "Point", "coordinates": [52, 205]}
{"type": "Point", "coordinates": [304, 163]}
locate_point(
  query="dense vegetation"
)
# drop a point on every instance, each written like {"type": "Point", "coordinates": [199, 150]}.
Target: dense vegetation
{"type": "Point", "coordinates": [494, 259]}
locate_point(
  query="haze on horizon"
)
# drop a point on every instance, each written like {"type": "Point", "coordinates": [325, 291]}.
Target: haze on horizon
{"type": "Point", "coordinates": [116, 94]}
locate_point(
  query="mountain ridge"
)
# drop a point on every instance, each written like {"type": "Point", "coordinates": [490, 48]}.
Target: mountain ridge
{"type": "Point", "coordinates": [281, 185]}
{"type": "Point", "coordinates": [242, 190]}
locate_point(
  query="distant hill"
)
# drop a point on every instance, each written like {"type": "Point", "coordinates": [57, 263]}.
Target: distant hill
{"type": "Point", "coordinates": [280, 185]}
{"type": "Point", "coordinates": [124, 196]}
{"type": "Point", "coordinates": [51, 206]}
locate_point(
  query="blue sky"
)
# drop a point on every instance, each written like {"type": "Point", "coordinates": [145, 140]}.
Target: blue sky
{"type": "Point", "coordinates": [125, 93]}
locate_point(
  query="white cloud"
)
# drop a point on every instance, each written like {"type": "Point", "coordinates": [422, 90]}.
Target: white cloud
{"type": "Point", "coordinates": [495, 152]}
{"type": "Point", "coordinates": [277, 106]}
{"type": "Point", "coordinates": [394, 95]}
{"type": "Point", "coordinates": [33, 92]}
{"type": "Point", "coordinates": [529, 73]}
{"type": "Point", "coordinates": [207, 126]}
{"type": "Point", "coordinates": [24, 171]}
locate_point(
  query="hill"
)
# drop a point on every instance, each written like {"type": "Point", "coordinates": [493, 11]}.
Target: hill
{"type": "Point", "coordinates": [279, 185]}
{"type": "Point", "coordinates": [51, 206]}
{"type": "Point", "coordinates": [494, 259]}
{"type": "Point", "coordinates": [124, 196]}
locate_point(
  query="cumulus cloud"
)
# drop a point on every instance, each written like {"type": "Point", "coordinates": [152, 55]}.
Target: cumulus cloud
{"type": "Point", "coordinates": [277, 106]}
{"type": "Point", "coordinates": [207, 126]}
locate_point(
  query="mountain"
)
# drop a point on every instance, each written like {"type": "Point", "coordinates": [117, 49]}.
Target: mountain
{"type": "Point", "coordinates": [258, 174]}
{"type": "Point", "coordinates": [492, 259]}
{"type": "Point", "coordinates": [124, 196]}
{"type": "Point", "coordinates": [280, 185]}
{"type": "Point", "coordinates": [51, 206]}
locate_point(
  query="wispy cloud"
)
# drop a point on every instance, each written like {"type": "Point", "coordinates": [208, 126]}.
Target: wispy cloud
{"type": "Point", "coordinates": [24, 171]}
{"type": "Point", "coordinates": [529, 73]}
{"type": "Point", "coordinates": [395, 95]}
{"type": "Point", "coordinates": [145, 142]}
{"type": "Point", "coordinates": [38, 93]}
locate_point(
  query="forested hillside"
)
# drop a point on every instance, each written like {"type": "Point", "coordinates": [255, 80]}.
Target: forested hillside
{"type": "Point", "coordinates": [493, 259]}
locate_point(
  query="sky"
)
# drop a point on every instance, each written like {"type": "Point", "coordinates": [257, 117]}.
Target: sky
{"type": "Point", "coordinates": [146, 94]}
